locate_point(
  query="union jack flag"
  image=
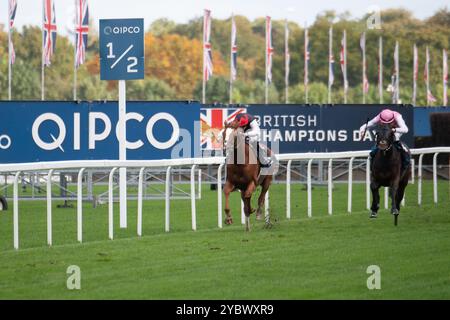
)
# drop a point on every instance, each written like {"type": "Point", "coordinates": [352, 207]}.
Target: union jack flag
{"type": "Point", "coordinates": [207, 54]}
{"type": "Point", "coordinates": [269, 49]}
{"type": "Point", "coordinates": [445, 75]}
{"type": "Point", "coordinates": [362, 44]}
{"type": "Point", "coordinates": [415, 72]}
{"type": "Point", "coordinates": [331, 60]}
{"type": "Point", "coordinates": [81, 31]}
{"type": "Point", "coordinates": [212, 123]}
{"type": "Point", "coordinates": [12, 5]}
{"type": "Point", "coordinates": [287, 55]}
{"type": "Point", "coordinates": [306, 57]}
{"type": "Point", "coordinates": [234, 50]}
{"type": "Point", "coordinates": [343, 60]}
{"type": "Point", "coordinates": [430, 97]}
{"type": "Point", "coordinates": [49, 31]}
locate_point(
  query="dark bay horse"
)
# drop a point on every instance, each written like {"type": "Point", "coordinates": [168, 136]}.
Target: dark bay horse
{"type": "Point", "coordinates": [243, 173]}
{"type": "Point", "coordinates": [386, 171]}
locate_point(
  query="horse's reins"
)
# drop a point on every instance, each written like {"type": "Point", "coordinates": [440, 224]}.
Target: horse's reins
{"type": "Point", "coordinates": [365, 130]}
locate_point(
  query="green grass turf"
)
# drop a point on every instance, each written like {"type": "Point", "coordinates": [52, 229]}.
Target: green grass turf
{"type": "Point", "coordinates": [323, 257]}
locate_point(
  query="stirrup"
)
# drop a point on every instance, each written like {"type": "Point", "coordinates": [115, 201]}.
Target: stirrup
{"type": "Point", "coordinates": [268, 163]}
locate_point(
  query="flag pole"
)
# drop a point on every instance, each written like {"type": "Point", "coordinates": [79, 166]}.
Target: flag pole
{"type": "Point", "coordinates": [414, 97]}
{"type": "Point", "coordinates": [266, 80]}
{"type": "Point", "coordinates": [397, 74]}
{"type": "Point", "coordinates": [75, 57]}
{"type": "Point", "coordinates": [345, 67]}
{"type": "Point", "coordinates": [231, 61]}
{"type": "Point", "coordinates": [203, 73]}
{"type": "Point", "coordinates": [427, 74]}
{"type": "Point", "coordinates": [286, 62]}
{"type": "Point", "coordinates": [444, 76]}
{"type": "Point", "coordinates": [330, 52]}
{"type": "Point", "coordinates": [364, 70]}
{"type": "Point", "coordinates": [43, 52]}
{"type": "Point", "coordinates": [306, 63]}
{"type": "Point", "coordinates": [380, 72]}
{"type": "Point", "coordinates": [9, 51]}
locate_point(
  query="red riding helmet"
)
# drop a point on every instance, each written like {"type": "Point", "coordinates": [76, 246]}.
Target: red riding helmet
{"type": "Point", "coordinates": [243, 121]}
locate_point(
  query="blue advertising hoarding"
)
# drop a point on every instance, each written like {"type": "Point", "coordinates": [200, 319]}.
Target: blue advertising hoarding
{"type": "Point", "coordinates": [56, 131]}
{"type": "Point", "coordinates": [299, 128]}
{"type": "Point", "coordinates": [121, 49]}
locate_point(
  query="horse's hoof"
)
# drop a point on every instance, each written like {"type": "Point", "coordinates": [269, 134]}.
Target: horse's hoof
{"type": "Point", "coordinates": [373, 215]}
{"type": "Point", "coordinates": [259, 217]}
{"type": "Point", "coordinates": [228, 221]}
{"type": "Point", "coordinates": [268, 225]}
{"type": "Point", "coordinates": [394, 212]}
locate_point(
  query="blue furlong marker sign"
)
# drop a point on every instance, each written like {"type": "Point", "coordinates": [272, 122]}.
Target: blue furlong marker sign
{"type": "Point", "coordinates": [121, 49]}
{"type": "Point", "coordinates": [56, 131]}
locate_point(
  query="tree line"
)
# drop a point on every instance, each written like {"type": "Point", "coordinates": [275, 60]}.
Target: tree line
{"type": "Point", "coordinates": [174, 60]}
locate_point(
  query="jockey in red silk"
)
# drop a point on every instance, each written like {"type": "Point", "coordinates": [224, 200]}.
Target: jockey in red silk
{"type": "Point", "coordinates": [399, 127]}
{"type": "Point", "coordinates": [252, 134]}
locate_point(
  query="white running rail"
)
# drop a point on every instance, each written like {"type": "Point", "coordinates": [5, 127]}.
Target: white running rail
{"type": "Point", "coordinates": [114, 165]}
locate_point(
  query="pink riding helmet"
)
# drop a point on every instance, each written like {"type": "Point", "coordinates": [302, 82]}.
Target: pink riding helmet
{"type": "Point", "coordinates": [387, 116]}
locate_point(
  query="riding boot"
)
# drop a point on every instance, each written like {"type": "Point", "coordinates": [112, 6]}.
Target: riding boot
{"type": "Point", "coordinates": [405, 154]}
{"type": "Point", "coordinates": [265, 161]}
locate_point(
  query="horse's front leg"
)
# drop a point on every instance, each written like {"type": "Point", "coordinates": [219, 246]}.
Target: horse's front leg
{"type": "Point", "coordinates": [247, 211]}
{"type": "Point", "coordinates": [375, 187]}
{"type": "Point", "coordinates": [227, 189]}
{"type": "Point", "coordinates": [248, 195]}
{"type": "Point", "coordinates": [393, 191]}
{"type": "Point", "coordinates": [262, 197]}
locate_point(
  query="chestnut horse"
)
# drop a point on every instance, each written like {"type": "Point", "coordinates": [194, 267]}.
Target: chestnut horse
{"type": "Point", "coordinates": [243, 173]}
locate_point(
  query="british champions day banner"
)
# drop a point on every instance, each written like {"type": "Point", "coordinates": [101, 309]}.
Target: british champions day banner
{"type": "Point", "coordinates": [297, 128]}
{"type": "Point", "coordinates": [56, 131]}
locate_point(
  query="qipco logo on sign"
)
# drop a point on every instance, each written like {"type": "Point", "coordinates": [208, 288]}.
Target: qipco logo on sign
{"type": "Point", "coordinates": [5, 142]}
{"type": "Point", "coordinates": [95, 135]}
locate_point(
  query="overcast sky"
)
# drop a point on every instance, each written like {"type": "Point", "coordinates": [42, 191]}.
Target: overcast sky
{"type": "Point", "coordinates": [29, 11]}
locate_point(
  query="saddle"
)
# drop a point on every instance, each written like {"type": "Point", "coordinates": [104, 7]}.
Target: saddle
{"type": "Point", "coordinates": [261, 153]}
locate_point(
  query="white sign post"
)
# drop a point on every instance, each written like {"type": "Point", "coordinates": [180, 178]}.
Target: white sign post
{"type": "Point", "coordinates": [122, 134]}
{"type": "Point", "coordinates": [122, 58]}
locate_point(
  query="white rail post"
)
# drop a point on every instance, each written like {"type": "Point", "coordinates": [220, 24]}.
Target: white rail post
{"type": "Point", "coordinates": [200, 183]}
{"type": "Point", "coordinates": [368, 183]}
{"type": "Point", "coordinates": [308, 182]}
{"type": "Point", "coordinates": [330, 187]}
{"type": "Point", "coordinates": [167, 214]}
{"type": "Point", "coordinates": [219, 195]}
{"type": "Point", "coordinates": [49, 207]}
{"type": "Point", "coordinates": [139, 208]}
{"type": "Point", "coordinates": [350, 185]}
{"type": "Point", "coordinates": [111, 204]}
{"type": "Point", "coordinates": [80, 205]}
{"type": "Point", "coordinates": [413, 171]}
{"type": "Point", "coordinates": [193, 209]}
{"type": "Point", "coordinates": [288, 189]}
{"type": "Point", "coordinates": [419, 178]}
{"type": "Point", "coordinates": [386, 197]}
{"type": "Point", "coordinates": [435, 186]}
{"type": "Point", "coordinates": [16, 210]}
{"type": "Point", "coordinates": [266, 205]}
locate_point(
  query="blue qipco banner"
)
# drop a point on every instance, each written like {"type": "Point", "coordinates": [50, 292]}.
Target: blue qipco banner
{"type": "Point", "coordinates": [56, 131]}
{"type": "Point", "coordinates": [298, 128]}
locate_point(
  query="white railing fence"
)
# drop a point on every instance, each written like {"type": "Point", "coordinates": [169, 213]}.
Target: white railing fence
{"type": "Point", "coordinates": [114, 166]}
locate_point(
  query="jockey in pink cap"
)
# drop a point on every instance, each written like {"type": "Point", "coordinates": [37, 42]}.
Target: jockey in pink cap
{"type": "Point", "coordinates": [399, 127]}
